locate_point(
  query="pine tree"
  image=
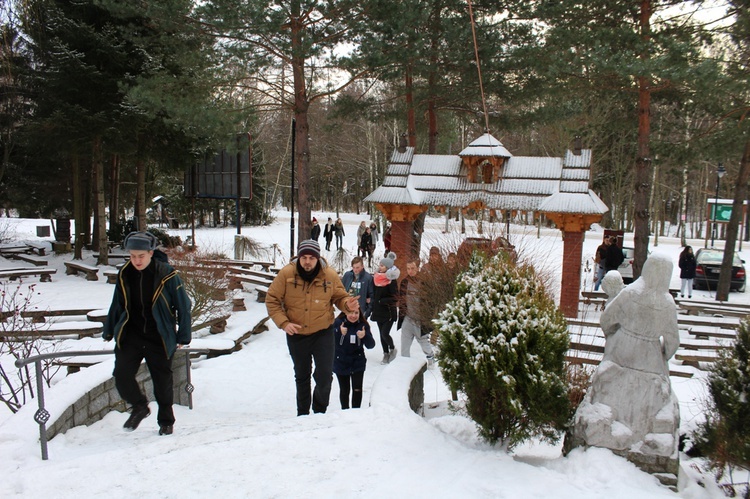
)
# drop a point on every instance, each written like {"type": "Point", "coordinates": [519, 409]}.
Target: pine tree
{"type": "Point", "coordinates": [725, 435]}
{"type": "Point", "coordinates": [502, 343]}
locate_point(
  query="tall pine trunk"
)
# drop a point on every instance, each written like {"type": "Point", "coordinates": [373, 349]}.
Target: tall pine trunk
{"type": "Point", "coordinates": [740, 189]}
{"type": "Point", "coordinates": [100, 243]}
{"type": "Point", "coordinates": [302, 139]}
{"type": "Point", "coordinates": [643, 164]}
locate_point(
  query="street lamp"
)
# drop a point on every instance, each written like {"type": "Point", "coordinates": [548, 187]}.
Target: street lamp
{"type": "Point", "coordinates": [719, 173]}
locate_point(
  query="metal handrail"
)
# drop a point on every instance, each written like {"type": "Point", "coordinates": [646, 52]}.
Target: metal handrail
{"type": "Point", "coordinates": [41, 416]}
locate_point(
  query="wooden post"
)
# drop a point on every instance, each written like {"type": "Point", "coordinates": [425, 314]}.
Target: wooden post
{"type": "Point", "coordinates": [571, 273]}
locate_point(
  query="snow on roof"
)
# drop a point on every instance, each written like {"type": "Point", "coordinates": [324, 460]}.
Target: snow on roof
{"type": "Point", "coordinates": [486, 145]}
{"type": "Point", "coordinates": [530, 167]}
{"type": "Point", "coordinates": [402, 170]}
{"type": "Point", "coordinates": [566, 186]}
{"type": "Point", "coordinates": [394, 181]}
{"type": "Point", "coordinates": [582, 160]}
{"type": "Point", "coordinates": [526, 183]}
{"type": "Point", "coordinates": [435, 164]}
{"type": "Point", "coordinates": [576, 174]}
{"type": "Point", "coordinates": [403, 157]}
{"type": "Point", "coordinates": [567, 202]}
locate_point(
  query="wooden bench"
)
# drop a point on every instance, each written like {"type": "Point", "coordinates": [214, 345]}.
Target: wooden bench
{"type": "Point", "coordinates": [35, 260]}
{"type": "Point", "coordinates": [713, 303]}
{"type": "Point", "coordinates": [266, 266]}
{"type": "Point", "coordinates": [57, 329]}
{"type": "Point", "coordinates": [696, 357]}
{"type": "Point", "coordinates": [700, 320]}
{"type": "Point", "coordinates": [10, 250]}
{"type": "Point", "coordinates": [38, 248]}
{"type": "Point", "coordinates": [714, 311]}
{"type": "Point", "coordinates": [579, 357]}
{"type": "Point", "coordinates": [114, 256]}
{"type": "Point", "coordinates": [97, 315]}
{"type": "Point", "coordinates": [216, 325]}
{"type": "Point", "coordinates": [712, 332]}
{"type": "Point", "coordinates": [44, 273]}
{"type": "Point", "coordinates": [262, 292]}
{"type": "Point", "coordinates": [41, 316]}
{"type": "Point", "coordinates": [236, 280]}
{"type": "Point", "coordinates": [73, 268]}
{"type": "Point", "coordinates": [254, 273]}
{"type": "Point", "coordinates": [111, 276]}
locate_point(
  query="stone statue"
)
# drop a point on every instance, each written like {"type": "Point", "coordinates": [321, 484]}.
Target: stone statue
{"type": "Point", "coordinates": [630, 407]}
{"type": "Point", "coordinates": [612, 285]}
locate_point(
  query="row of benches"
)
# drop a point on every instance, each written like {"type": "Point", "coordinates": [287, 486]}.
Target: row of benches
{"type": "Point", "coordinates": [699, 345]}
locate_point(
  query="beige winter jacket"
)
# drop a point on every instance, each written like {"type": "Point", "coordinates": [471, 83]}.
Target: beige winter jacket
{"type": "Point", "coordinates": [291, 299]}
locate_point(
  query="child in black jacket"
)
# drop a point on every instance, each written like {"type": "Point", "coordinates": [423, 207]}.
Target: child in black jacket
{"type": "Point", "coordinates": [352, 334]}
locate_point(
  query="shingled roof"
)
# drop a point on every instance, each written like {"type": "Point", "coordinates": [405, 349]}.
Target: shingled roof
{"type": "Point", "coordinates": [526, 183]}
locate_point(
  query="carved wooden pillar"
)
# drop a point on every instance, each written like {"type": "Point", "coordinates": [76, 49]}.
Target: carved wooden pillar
{"type": "Point", "coordinates": [573, 226]}
{"type": "Point", "coordinates": [401, 218]}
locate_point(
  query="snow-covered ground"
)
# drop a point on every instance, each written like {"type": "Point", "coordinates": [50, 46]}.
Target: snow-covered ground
{"type": "Point", "coordinates": [242, 438]}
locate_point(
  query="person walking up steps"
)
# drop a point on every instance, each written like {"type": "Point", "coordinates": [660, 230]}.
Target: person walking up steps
{"type": "Point", "coordinates": [385, 303]}
{"type": "Point", "coordinates": [300, 301]}
{"type": "Point", "coordinates": [358, 282]}
{"type": "Point", "coordinates": [409, 313]}
{"type": "Point", "coordinates": [352, 335]}
{"type": "Point", "coordinates": [338, 231]}
{"type": "Point", "coordinates": [328, 233]}
{"type": "Point", "coordinates": [149, 318]}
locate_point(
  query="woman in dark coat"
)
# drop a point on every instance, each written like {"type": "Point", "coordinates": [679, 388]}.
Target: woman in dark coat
{"type": "Point", "coordinates": [687, 266]}
{"type": "Point", "coordinates": [385, 303]}
{"type": "Point", "coordinates": [365, 241]}
{"type": "Point", "coordinates": [352, 335]}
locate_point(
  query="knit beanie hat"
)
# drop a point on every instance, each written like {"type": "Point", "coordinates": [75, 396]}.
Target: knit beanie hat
{"type": "Point", "coordinates": [393, 273]}
{"type": "Point", "coordinates": [140, 241]}
{"type": "Point", "coordinates": [309, 247]}
{"type": "Point", "coordinates": [389, 259]}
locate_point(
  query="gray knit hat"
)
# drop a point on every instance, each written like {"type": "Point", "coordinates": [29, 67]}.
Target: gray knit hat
{"type": "Point", "coordinates": [309, 247]}
{"type": "Point", "coordinates": [389, 260]}
{"type": "Point", "coordinates": [140, 241]}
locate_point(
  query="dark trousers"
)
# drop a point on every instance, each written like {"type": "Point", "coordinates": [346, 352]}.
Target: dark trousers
{"type": "Point", "coordinates": [385, 335]}
{"type": "Point", "coordinates": [128, 357]}
{"type": "Point", "coordinates": [304, 349]}
{"type": "Point", "coordinates": [355, 379]}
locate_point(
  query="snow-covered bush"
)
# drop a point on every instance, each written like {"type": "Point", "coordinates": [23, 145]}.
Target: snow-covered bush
{"type": "Point", "coordinates": [725, 435]}
{"type": "Point", "coordinates": [502, 342]}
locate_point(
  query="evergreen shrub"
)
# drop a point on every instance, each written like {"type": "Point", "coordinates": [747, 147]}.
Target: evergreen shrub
{"type": "Point", "coordinates": [502, 342]}
{"type": "Point", "coordinates": [724, 437]}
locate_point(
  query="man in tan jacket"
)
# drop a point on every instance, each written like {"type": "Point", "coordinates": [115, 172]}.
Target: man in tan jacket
{"type": "Point", "coordinates": [300, 301]}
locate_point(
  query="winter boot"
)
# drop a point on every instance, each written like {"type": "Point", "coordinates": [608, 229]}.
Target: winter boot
{"type": "Point", "coordinates": [138, 414]}
{"type": "Point", "coordinates": [392, 355]}
{"type": "Point", "coordinates": [386, 358]}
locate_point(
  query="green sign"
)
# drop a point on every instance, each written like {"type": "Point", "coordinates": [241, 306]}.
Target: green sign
{"type": "Point", "coordinates": [721, 212]}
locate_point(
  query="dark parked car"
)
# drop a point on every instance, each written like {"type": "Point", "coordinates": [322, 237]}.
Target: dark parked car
{"type": "Point", "coordinates": [626, 267]}
{"type": "Point", "coordinates": [708, 268]}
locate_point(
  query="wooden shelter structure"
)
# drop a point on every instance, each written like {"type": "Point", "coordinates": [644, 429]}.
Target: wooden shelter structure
{"type": "Point", "coordinates": [485, 175]}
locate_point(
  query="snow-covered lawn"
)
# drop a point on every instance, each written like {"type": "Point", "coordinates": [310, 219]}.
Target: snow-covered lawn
{"type": "Point", "coordinates": [242, 438]}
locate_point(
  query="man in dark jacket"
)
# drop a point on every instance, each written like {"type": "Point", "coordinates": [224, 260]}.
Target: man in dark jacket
{"type": "Point", "coordinates": [614, 257]}
{"type": "Point", "coordinates": [149, 318]}
{"type": "Point", "coordinates": [358, 282]}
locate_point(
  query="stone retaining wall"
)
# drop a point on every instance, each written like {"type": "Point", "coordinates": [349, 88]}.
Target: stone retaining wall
{"type": "Point", "coordinates": [98, 402]}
